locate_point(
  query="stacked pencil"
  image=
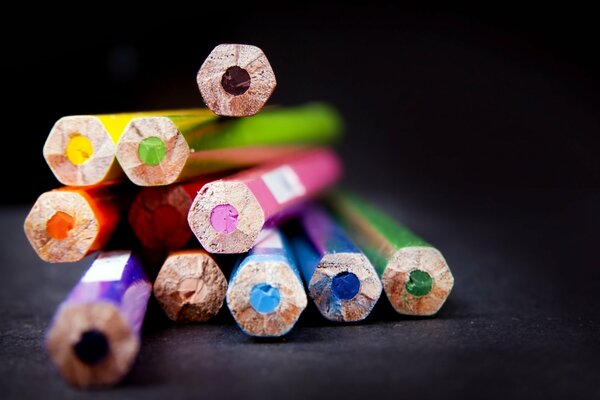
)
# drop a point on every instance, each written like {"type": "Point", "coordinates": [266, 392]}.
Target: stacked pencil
{"type": "Point", "coordinates": [233, 178]}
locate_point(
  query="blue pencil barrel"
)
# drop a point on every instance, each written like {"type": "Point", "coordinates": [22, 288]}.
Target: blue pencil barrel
{"type": "Point", "coordinates": [340, 279]}
{"type": "Point", "coordinates": [265, 294]}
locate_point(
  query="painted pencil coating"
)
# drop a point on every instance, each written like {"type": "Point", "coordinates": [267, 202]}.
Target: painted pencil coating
{"type": "Point", "coordinates": [162, 150]}
{"type": "Point", "coordinates": [314, 123]}
{"type": "Point", "coordinates": [227, 215]}
{"type": "Point", "coordinates": [266, 295]}
{"type": "Point", "coordinates": [415, 275]}
{"type": "Point", "coordinates": [66, 224]}
{"type": "Point", "coordinates": [80, 149]}
{"type": "Point", "coordinates": [340, 278]}
{"type": "Point", "coordinates": [95, 334]}
{"type": "Point", "coordinates": [190, 286]}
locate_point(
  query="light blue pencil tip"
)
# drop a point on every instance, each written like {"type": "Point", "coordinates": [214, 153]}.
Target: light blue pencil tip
{"type": "Point", "coordinates": [264, 298]}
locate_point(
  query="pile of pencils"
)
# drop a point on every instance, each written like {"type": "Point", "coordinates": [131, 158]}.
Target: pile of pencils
{"type": "Point", "coordinates": [223, 179]}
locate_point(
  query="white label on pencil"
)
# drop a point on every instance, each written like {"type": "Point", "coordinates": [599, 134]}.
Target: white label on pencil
{"type": "Point", "coordinates": [284, 184]}
{"type": "Point", "coordinates": [268, 239]}
{"type": "Point", "coordinates": [108, 267]}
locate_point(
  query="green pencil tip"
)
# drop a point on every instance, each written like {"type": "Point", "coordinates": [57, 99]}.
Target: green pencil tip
{"type": "Point", "coordinates": [419, 283]}
{"type": "Point", "coordinates": [152, 150]}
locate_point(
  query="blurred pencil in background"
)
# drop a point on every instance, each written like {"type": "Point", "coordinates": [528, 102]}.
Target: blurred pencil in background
{"type": "Point", "coordinates": [158, 215]}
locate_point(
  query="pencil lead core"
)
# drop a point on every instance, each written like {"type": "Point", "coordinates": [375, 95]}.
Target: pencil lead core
{"type": "Point", "coordinates": [236, 80]}
{"type": "Point", "coordinates": [92, 347]}
{"type": "Point", "coordinates": [345, 285]}
{"type": "Point", "coordinates": [419, 283]}
{"type": "Point", "coordinates": [79, 149]}
{"type": "Point", "coordinates": [59, 225]}
{"type": "Point", "coordinates": [152, 150]}
{"type": "Point", "coordinates": [224, 218]}
{"type": "Point", "coordinates": [264, 298]}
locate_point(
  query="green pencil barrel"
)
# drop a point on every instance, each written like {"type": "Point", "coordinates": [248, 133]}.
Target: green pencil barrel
{"type": "Point", "coordinates": [310, 124]}
{"type": "Point", "coordinates": [397, 234]}
{"type": "Point", "coordinates": [415, 275]}
{"type": "Point", "coordinates": [376, 233]}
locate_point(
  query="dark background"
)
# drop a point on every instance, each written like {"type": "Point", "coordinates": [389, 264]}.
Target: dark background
{"type": "Point", "coordinates": [478, 127]}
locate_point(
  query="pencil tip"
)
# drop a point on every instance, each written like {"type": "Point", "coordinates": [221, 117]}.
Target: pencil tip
{"type": "Point", "coordinates": [92, 347]}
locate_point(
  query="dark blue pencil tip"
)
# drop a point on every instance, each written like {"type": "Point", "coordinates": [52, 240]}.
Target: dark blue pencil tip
{"type": "Point", "coordinates": [264, 298]}
{"type": "Point", "coordinates": [92, 347]}
{"type": "Point", "coordinates": [345, 285]}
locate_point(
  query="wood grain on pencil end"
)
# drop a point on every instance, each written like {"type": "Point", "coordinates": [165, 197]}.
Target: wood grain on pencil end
{"type": "Point", "coordinates": [249, 220]}
{"type": "Point", "coordinates": [397, 275]}
{"type": "Point", "coordinates": [171, 160]}
{"type": "Point", "coordinates": [73, 321]}
{"type": "Point", "coordinates": [359, 306]}
{"type": "Point", "coordinates": [236, 80]}
{"type": "Point", "coordinates": [190, 286]}
{"type": "Point", "coordinates": [80, 151]}
{"type": "Point", "coordinates": [291, 304]}
{"type": "Point", "coordinates": [68, 240]}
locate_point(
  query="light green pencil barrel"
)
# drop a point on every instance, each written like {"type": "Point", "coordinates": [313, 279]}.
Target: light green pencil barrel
{"type": "Point", "coordinates": [161, 150]}
{"type": "Point", "coordinates": [415, 275]}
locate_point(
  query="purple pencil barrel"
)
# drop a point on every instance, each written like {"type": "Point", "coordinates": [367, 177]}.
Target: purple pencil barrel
{"type": "Point", "coordinates": [94, 337]}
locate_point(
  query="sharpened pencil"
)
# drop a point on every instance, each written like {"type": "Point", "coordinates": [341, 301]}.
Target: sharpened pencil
{"type": "Point", "coordinates": [80, 149]}
{"type": "Point", "coordinates": [236, 80]}
{"type": "Point", "coordinates": [265, 294]}
{"type": "Point", "coordinates": [415, 275]}
{"type": "Point", "coordinates": [190, 286]}
{"type": "Point", "coordinates": [156, 151]}
{"type": "Point", "coordinates": [227, 215]}
{"type": "Point", "coordinates": [341, 280]}
{"type": "Point", "coordinates": [66, 224]}
{"type": "Point", "coordinates": [94, 337]}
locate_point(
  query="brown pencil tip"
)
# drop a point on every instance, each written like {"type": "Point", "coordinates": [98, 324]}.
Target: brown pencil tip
{"type": "Point", "coordinates": [190, 286]}
{"type": "Point", "coordinates": [236, 80]}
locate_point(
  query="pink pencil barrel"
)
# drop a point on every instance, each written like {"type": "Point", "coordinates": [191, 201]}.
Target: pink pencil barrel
{"type": "Point", "coordinates": [227, 215]}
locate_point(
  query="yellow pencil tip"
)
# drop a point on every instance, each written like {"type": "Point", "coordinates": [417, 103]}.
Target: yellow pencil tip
{"type": "Point", "coordinates": [79, 150]}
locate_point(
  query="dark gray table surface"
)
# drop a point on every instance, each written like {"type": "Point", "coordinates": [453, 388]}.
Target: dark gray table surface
{"type": "Point", "coordinates": [522, 322]}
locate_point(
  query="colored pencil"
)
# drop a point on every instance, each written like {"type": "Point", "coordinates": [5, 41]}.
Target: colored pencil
{"type": "Point", "coordinates": [190, 286]}
{"type": "Point", "coordinates": [94, 337]}
{"type": "Point", "coordinates": [161, 150]}
{"type": "Point", "coordinates": [340, 279]}
{"type": "Point", "coordinates": [66, 224]}
{"type": "Point", "coordinates": [265, 294]}
{"type": "Point", "coordinates": [236, 80]}
{"type": "Point", "coordinates": [80, 149]}
{"type": "Point", "coordinates": [158, 215]}
{"type": "Point", "coordinates": [227, 215]}
{"type": "Point", "coordinates": [415, 275]}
